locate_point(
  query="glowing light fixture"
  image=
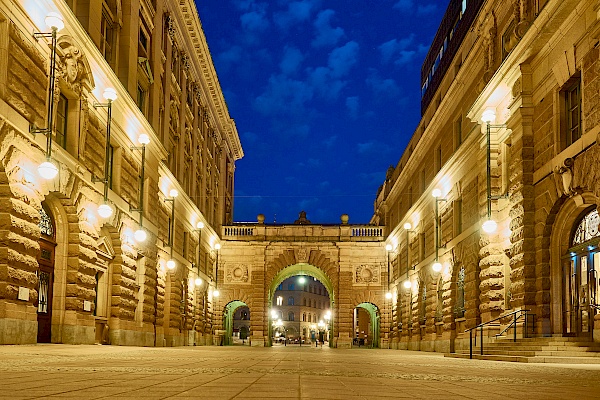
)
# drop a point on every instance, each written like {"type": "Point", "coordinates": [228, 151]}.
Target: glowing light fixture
{"type": "Point", "coordinates": [173, 193]}
{"type": "Point", "coordinates": [301, 280]}
{"type": "Point", "coordinates": [54, 21]}
{"type": "Point", "coordinates": [407, 284]}
{"type": "Point", "coordinates": [198, 281]}
{"type": "Point", "coordinates": [217, 246]}
{"type": "Point", "coordinates": [200, 225]}
{"type": "Point", "coordinates": [436, 193]}
{"type": "Point", "coordinates": [105, 210]}
{"type": "Point", "coordinates": [216, 293]}
{"type": "Point", "coordinates": [437, 266]}
{"type": "Point", "coordinates": [140, 235]}
{"type": "Point", "coordinates": [388, 247]}
{"type": "Point", "coordinates": [144, 139]}
{"type": "Point", "coordinates": [47, 170]}
{"type": "Point", "coordinates": [388, 295]}
{"type": "Point", "coordinates": [407, 226]}
{"type": "Point", "coordinates": [109, 94]}
{"type": "Point", "coordinates": [171, 264]}
{"type": "Point", "coordinates": [489, 226]}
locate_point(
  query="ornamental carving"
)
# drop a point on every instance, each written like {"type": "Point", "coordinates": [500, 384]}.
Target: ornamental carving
{"type": "Point", "coordinates": [302, 255]}
{"type": "Point", "coordinates": [366, 274]}
{"type": "Point", "coordinates": [237, 273]}
{"type": "Point", "coordinates": [73, 67]}
{"type": "Point", "coordinates": [564, 178]}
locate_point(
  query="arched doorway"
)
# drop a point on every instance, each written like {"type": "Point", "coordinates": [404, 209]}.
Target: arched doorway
{"type": "Point", "coordinates": [580, 276]}
{"type": "Point", "coordinates": [366, 325]}
{"type": "Point", "coordinates": [228, 320]}
{"type": "Point", "coordinates": [45, 275]}
{"type": "Point", "coordinates": [295, 326]}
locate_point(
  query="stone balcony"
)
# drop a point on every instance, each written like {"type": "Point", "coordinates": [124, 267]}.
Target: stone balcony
{"type": "Point", "coordinates": [303, 233]}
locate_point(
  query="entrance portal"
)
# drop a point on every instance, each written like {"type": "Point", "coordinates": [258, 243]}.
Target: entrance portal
{"type": "Point", "coordinates": [45, 276]}
{"type": "Point", "coordinates": [228, 321]}
{"type": "Point", "coordinates": [366, 325]}
{"type": "Point", "coordinates": [580, 278]}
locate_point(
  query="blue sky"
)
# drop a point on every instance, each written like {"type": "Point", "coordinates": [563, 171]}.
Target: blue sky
{"type": "Point", "coordinates": [325, 95]}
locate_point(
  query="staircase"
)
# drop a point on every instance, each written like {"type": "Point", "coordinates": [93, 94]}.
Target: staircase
{"type": "Point", "coordinates": [566, 350]}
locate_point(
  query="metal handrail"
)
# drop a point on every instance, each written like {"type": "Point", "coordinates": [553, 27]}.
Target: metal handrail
{"type": "Point", "coordinates": [480, 327]}
{"type": "Point", "coordinates": [596, 306]}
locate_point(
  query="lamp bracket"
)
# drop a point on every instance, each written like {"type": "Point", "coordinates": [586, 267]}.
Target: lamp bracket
{"type": "Point", "coordinates": [38, 35]}
{"type": "Point", "coordinates": [100, 105]}
{"type": "Point", "coordinates": [98, 179]}
{"type": "Point", "coordinates": [137, 147]}
{"type": "Point", "coordinates": [135, 209]}
{"type": "Point", "coordinates": [35, 130]}
{"type": "Point", "coordinates": [503, 196]}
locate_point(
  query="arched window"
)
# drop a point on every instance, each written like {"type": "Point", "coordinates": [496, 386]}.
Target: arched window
{"type": "Point", "coordinates": [304, 302]}
{"type": "Point", "coordinates": [290, 316]}
{"type": "Point", "coordinates": [309, 318]}
{"type": "Point", "coordinates": [587, 228]}
{"type": "Point", "coordinates": [459, 309]}
{"type": "Point", "coordinates": [304, 317]}
{"type": "Point", "coordinates": [290, 301]}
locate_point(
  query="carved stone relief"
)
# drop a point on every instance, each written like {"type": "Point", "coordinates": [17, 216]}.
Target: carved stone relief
{"type": "Point", "coordinates": [237, 273]}
{"type": "Point", "coordinates": [365, 274]}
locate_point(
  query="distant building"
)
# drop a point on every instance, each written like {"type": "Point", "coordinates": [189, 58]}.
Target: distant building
{"type": "Point", "coordinates": [300, 307]}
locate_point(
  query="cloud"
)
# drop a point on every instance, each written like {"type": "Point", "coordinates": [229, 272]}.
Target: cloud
{"type": "Point", "coordinates": [297, 12]}
{"type": "Point", "coordinates": [352, 106]}
{"type": "Point", "coordinates": [426, 9]}
{"type": "Point", "coordinates": [382, 87]}
{"type": "Point", "coordinates": [229, 57]}
{"type": "Point", "coordinates": [373, 147]}
{"type": "Point", "coordinates": [403, 5]}
{"type": "Point", "coordinates": [390, 49]}
{"type": "Point", "coordinates": [292, 58]}
{"type": "Point", "coordinates": [329, 142]}
{"type": "Point", "coordinates": [255, 21]}
{"type": "Point", "coordinates": [343, 58]}
{"type": "Point", "coordinates": [244, 5]}
{"type": "Point", "coordinates": [284, 95]}
{"type": "Point", "coordinates": [324, 84]}
{"type": "Point", "coordinates": [325, 34]}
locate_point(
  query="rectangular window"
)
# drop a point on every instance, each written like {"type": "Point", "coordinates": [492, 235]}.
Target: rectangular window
{"type": "Point", "coordinates": [106, 35]}
{"type": "Point", "coordinates": [410, 197]}
{"type": "Point", "coordinates": [438, 159]}
{"type": "Point", "coordinates": [422, 246]}
{"type": "Point", "coordinates": [141, 99]}
{"type": "Point", "coordinates": [458, 217]}
{"type": "Point", "coordinates": [423, 181]}
{"type": "Point", "coordinates": [143, 42]}
{"type": "Point", "coordinates": [60, 126]}
{"type": "Point", "coordinates": [185, 245]}
{"type": "Point", "coordinates": [458, 134]}
{"type": "Point", "coordinates": [573, 112]}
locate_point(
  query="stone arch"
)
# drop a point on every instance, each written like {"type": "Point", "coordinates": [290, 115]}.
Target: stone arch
{"type": "Point", "coordinates": [375, 315]}
{"type": "Point", "coordinates": [300, 269]}
{"type": "Point", "coordinates": [228, 312]}
{"type": "Point", "coordinates": [558, 231]}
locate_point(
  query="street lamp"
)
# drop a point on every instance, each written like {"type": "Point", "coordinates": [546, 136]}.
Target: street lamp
{"type": "Point", "coordinates": [110, 95]}
{"type": "Point", "coordinates": [173, 193]}
{"type": "Point", "coordinates": [216, 291]}
{"type": "Point", "coordinates": [489, 226]}
{"type": "Point", "coordinates": [407, 226]}
{"type": "Point", "coordinates": [47, 169]}
{"type": "Point", "coordinates": [140, 235]}
{"type": "Point", "coordinates": [437, 193]}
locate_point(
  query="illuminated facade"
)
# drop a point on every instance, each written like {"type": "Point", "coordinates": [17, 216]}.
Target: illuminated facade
{"type": "Point", "coordinates": [508, 136]}
{"type": "Point", "coordinates": [73, 265]}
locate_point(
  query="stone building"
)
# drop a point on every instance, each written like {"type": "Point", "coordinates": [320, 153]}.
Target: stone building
{"type": "Point", "coordinates": [509, 138]}
{"type": "Point", "coordinates": [68, 274]}
{"type": "Point", "coordinates": [301, 304]}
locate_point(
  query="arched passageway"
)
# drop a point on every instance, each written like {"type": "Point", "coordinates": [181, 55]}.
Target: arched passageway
{"type": "Point", "coordinates": [366, 325]}
{"type": "Point", "coordinates": [228, 320]}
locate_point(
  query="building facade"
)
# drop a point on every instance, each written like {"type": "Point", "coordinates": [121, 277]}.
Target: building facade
{"type": "Point", "coordinates": [74, 267]}
{"type": "Point", "coordinates": [492, 208]}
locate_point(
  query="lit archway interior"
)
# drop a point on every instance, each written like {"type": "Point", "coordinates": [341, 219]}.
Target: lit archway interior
{"type": "Point", "coordinates": [301, 269]}
{"type": "Point", "coordinates": [373, 312]}
{"type": "Point", "coordinates": [228, 320]}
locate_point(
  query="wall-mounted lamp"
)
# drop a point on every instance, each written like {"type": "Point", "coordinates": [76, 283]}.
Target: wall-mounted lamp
{"type": "Point", "coordinates": [408, 227]}
{"type": "Point", "coordinates": [437, 194]}
{"type": "Point", "coordinates": [173, 193]}
{"type": "Point", "coordinates": [110, 95]}
{"type": "Point", "coordinates": [388, 249]}
{"type": "Point", "coordinates": [47, 169]}
{"type": "Point", "coordinates": [216, 291]}
{"type": "Point", "coordinates": [140, 235]}
{"type": "Point", "coordinates": [488, 117]}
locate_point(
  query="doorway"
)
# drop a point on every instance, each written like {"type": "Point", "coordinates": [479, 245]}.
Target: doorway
{"type": "Point", "coordinates": [366, 325]}
{"type": "Point", "coordinates": [45, 276]}
{"type": "Point", "coordinates": [580, 281]}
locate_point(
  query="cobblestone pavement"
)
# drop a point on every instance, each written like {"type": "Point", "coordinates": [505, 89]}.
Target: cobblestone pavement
{"type": "Point", "coordinates": [93, 372]}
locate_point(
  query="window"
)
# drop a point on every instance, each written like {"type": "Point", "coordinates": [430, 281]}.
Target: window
{"type": "Point", "coordinates": [458, 135]}
{"type": "Point", "coordinates": [304, 317]}
{"type": "Point", "coordinates": [438, 158]}
{"type": "Point", "coordinates": [440, 301]}
{"type": "Point", "coordinates": [304, 302]}
{"type": "Point", "coordinates": [143, 41]}
{"type": "Point", "coordinates": [423, 304]}
{"type": "Point", "coordinates": [458, 218]}
{"type": "Point", "coordinates": [410, 197]}
{"type": "Point", "coordinates": [290, 286]}
{"type": "Point", "coordinates": [291, 316]}
{"type": "Point", "coordinates": [290, 301]}
{"type": "Point", "coordinates": [572, 98]}
{"type": "Point", "coordinates": [279, 300]}
{"type": "Point", "coordinates": [423, 242]}
{"type": "Point", "coordinates": [423, 181]}
{"type": "Point", "coordinates": [60, 127]}
{"type": "Point", "coordinates": [107, 35]}
{"type": "Point", "coordinates": [141, 98]}
{"type": "Point", "coordinates": [460, 294]}
{"type": "Point", "coordinates": [463, 7]}
{"type": "Point", "coordinates": [185, 245]}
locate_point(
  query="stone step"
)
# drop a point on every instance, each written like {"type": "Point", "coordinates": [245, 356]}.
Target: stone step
{"type": "Point", "coordinates": [531, 353]}
{"type": "Point", "coordinates": [536, 359]}
{"type": "Point", "coordinates": [525, 347]}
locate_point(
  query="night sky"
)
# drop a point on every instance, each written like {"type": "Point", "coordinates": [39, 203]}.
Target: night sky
{"type": "Point", "coordinates": [325, 95]}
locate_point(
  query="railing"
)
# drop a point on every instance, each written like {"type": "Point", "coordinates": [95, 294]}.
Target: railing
{"type": "Point", "coordinates": [595, 306]}
{"type": "Point", "coordinates": [368, 232]}
{"type": "Point", "coordinates": [513, 324]}
{"type": "Point", "coordinates": [239, 231]}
